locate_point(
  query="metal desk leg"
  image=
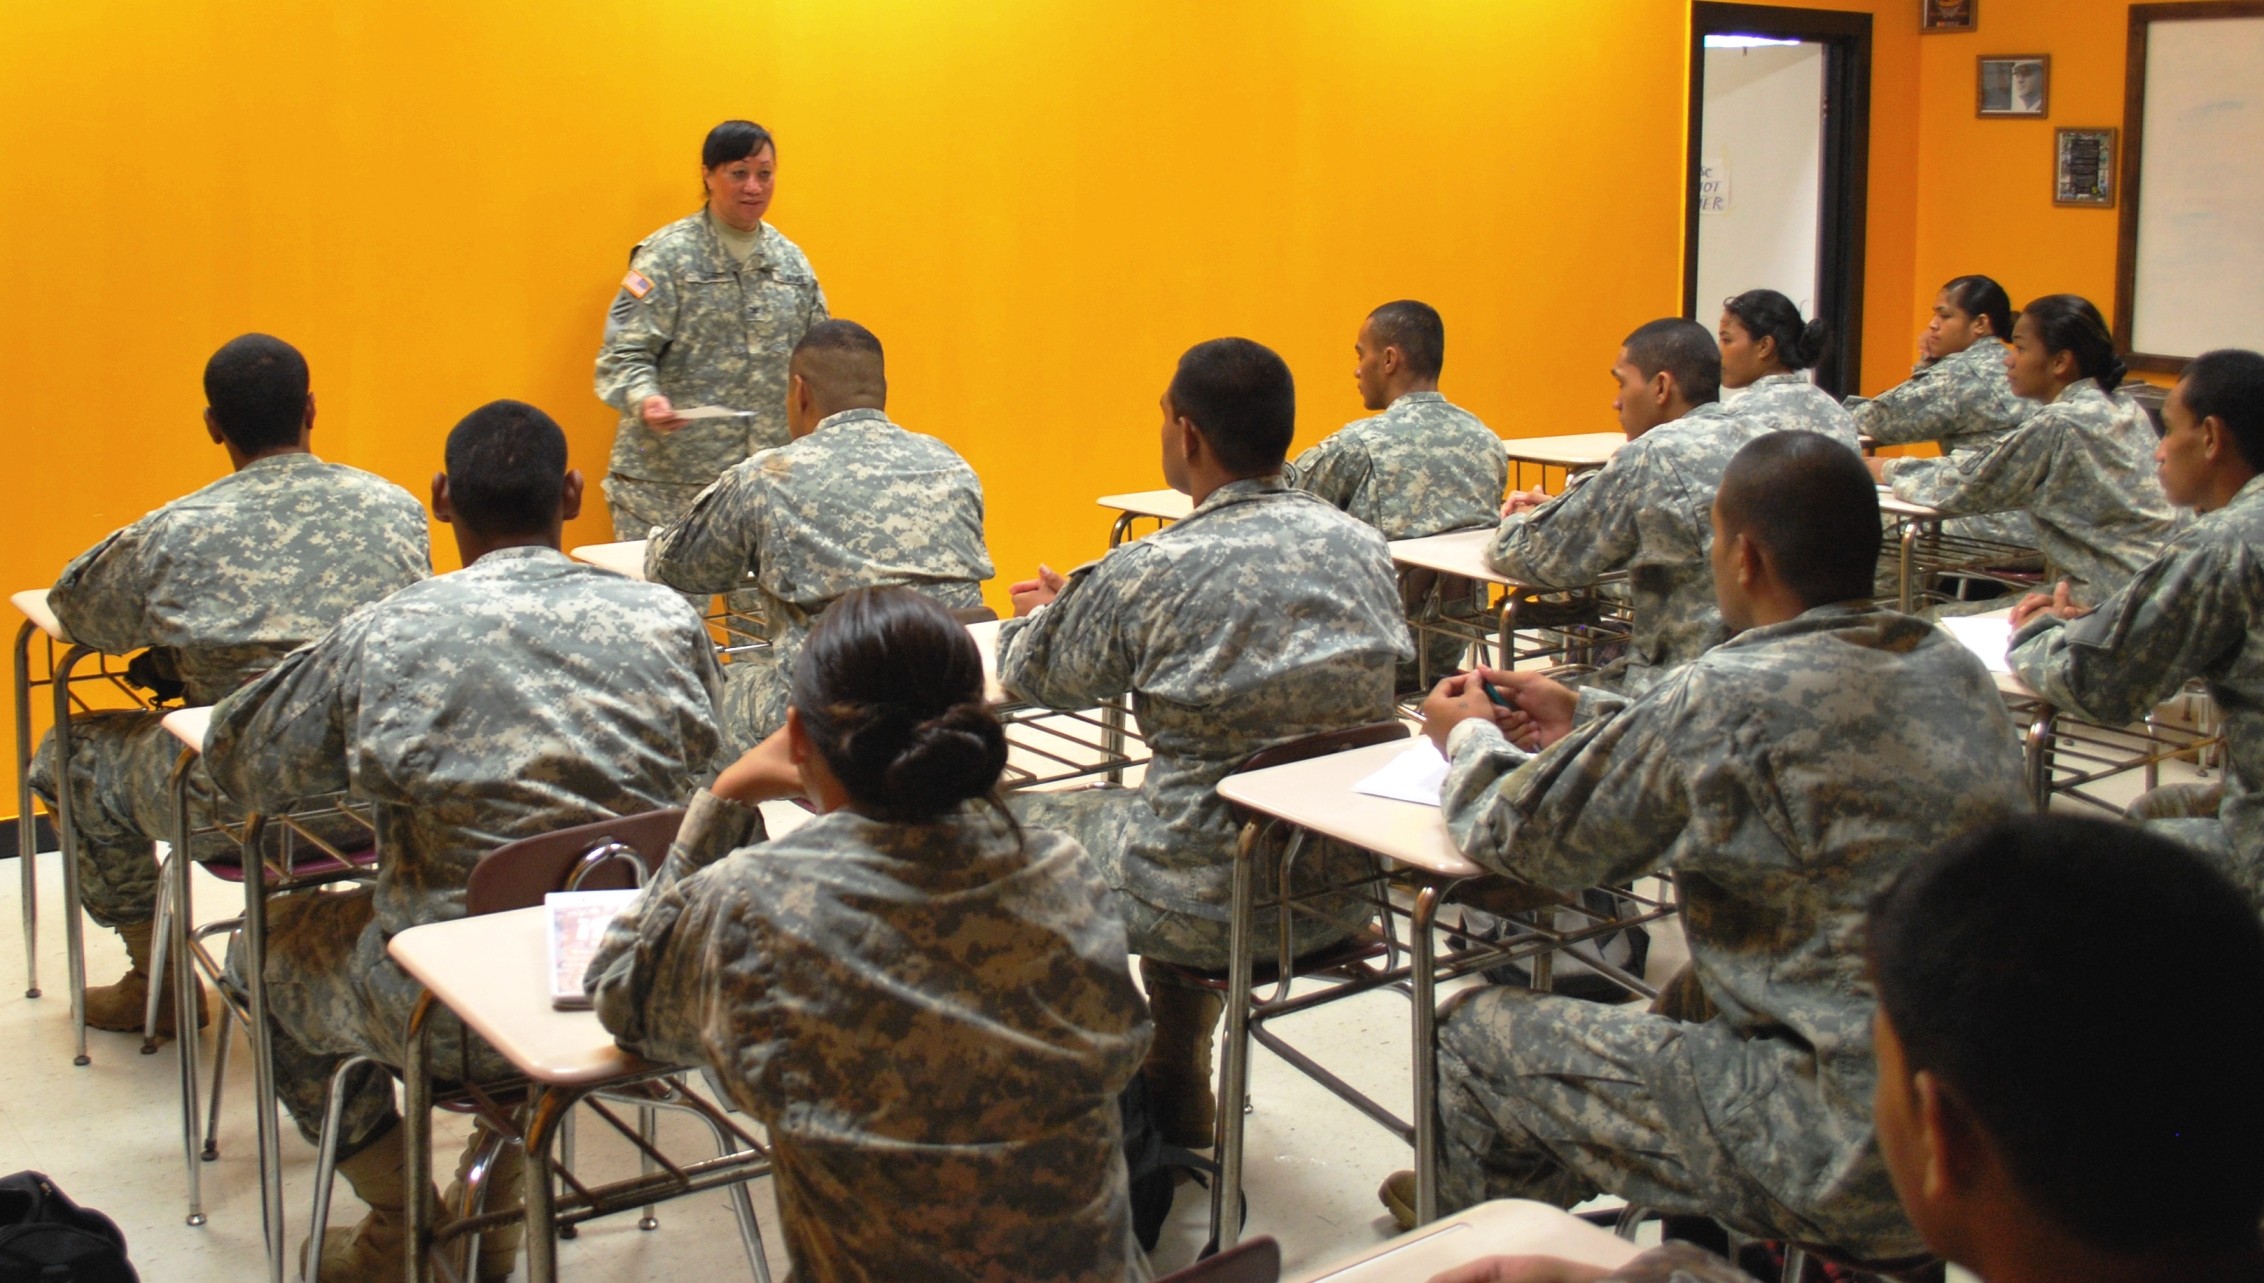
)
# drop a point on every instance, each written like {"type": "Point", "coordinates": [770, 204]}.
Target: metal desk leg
{"type": "Point", "coordinates": [1122, 528]}
{"type": "Point", "coordinates": [1113, 714]}
{"type": "Point", "coordinates": [1234, 1066]}
{"type": "Point", "coordinates": [263, 1049]}
{"type": "Point", "coordinates": [1909, 591]}
{"type": "Point", "coordinates": [416, 1141]}
{"type": "Point", "coordinates": [1425, 995]}
{"type": "Point", "coordinates": [74, 929]}
{"type": "Point", "coordinates": [27, 826]}
{"type": "Point", "coordinates": [177, 932]}
{"type": "Point", "coordinates": [2039, 755]}
{"type": "Point", "coordinates": [550, 1108]}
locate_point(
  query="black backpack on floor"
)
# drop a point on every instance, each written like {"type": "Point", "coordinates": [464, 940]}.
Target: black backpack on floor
{"type": "Point", "coordinates": [1152, 1165]}
{"type": "Point", "coordinates": [47, 1238]}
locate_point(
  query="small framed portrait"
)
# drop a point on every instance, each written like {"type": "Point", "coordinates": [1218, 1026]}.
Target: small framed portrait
{"type": "Point", "coordinates": [2083, 167]}
{"type": "Point", "coordinates": [2014, 86]}
{"type": "Point", "coordinates": [1938, 16]}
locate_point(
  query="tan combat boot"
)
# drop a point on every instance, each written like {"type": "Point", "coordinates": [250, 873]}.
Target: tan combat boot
{"type": "Point", "coordinates": [376, 1250]}
{"type": "Point", "coordinates": [122, 1007]}
{"type": "Point", "coordinates": [506, 1174]}
{"type": "Point", "coordinates": [1178, 1068]}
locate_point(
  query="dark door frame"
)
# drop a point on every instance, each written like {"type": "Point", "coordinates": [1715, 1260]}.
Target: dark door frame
{"type": "Point", "coordinates": [1846, 38]}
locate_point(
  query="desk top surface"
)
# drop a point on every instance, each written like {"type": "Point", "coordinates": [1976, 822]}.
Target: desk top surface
{"type": "Point", "coordinates": [1317, 794]}
{"type": "Point", "coordinates": [1167, 504]}
{"type": "Point", "coordinates": [1894, 507]}
{"type": "Point", "coordinates": [189, 725]}
{"type": "Point", "coordinates": [986, 642]}
{"type": "Point", "coordinates": [1457, 552]}
{"type": "Point", "coordinates": [624, 558]}
{"type": "Point", "coordinates": [1579, 450]}
{"type": "Point", "coordinates": [1504, 1227]}
{"type": "Point", "coordinates": [33, 604]}
{"type": "Point", "coordinates": [491, 971]}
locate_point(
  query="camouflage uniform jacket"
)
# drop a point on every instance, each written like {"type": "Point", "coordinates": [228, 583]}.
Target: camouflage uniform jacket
{"type": "Point", "coordinates": [1964, 401]}
{"type": "Point", "coordinates": [522, 694]}
{"type": "Point", "coordinates": [1794, 401]}
{"type": "Point", "coordinates": [1423, 467]}
{"type": "Point", "coordinates": [1783, 777]}
{"type": "Point", "coordinates": [2192, 612]}
{"type": "Point", "coordinates": [1264, 616]}
{"type": "Point", "coordinates": [226, 581]}
{"type": "Point", "coordinates": [2082, 467]}
{"type": "Point", "coordinates": [933, 1022]}
{"type": "Point", "coordinates": [1644, 512]}
{"type": "Point", "coordinates": [694, 325]}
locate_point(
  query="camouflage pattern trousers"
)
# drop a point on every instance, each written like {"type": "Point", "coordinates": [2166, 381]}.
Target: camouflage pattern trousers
{"type": "Point", "coordinates": [1557, 1099]}
{"type": "Point", "coordinates": [121, 775]}
{"type": "Point", "coordinates": [333, 993]}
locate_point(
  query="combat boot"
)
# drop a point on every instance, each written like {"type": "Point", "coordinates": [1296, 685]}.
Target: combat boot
{"type": "Point", "coordinates": [122, 1007]}
{"type": "Point", "coordinates": [506, 1176]}
{"type": "Point", "coordinates": [1178, 1068]}
{"type": "Point", "coordinates": [374, 1251]}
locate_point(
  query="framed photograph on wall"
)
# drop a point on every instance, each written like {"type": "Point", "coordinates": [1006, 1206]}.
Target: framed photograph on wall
{"type": "Point", "coordinates": [1937, 16]}
{"type": "Point", "coordinates": [2013, 86]}
{"type": "Point", "coordinates": [2083, 167]}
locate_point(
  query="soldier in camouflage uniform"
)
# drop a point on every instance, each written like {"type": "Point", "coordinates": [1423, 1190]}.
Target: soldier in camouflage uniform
{"type": "Point", "coordinates": [1643, 512]}
{"type": "Point", "coordinates": [1783, 777]}
{"type": "Point", "coordinates": [930, 1009]}
{"type": "Point", "coordinates": [1766, 353]}
{"type": "Point", "coordinates": [1959, 397]}
{"type": "Point", "coordinates": [2191, 612]}
{"type": "Point", "coordinates": [710, 309]}
{"type": "Point", "coordinates": [2080, 467]}
{"type": "Point", "coordinates": [218, 585]}
{"type": "Point", "coordinates": [1423, 466]}
{"type": "Point", "coordinates": [522, 694]}
{"type": "Point", "coordinates": [852, 501]}
{"type": "Point", "coordinates": [1264, 616]}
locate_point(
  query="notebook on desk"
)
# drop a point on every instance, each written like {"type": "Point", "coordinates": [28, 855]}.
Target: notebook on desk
{"type": "Point", "coordinates": [575, 923]}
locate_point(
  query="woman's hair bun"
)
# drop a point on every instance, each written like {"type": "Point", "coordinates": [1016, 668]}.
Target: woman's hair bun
{"type": "Point", "coordinates": [948, 759]}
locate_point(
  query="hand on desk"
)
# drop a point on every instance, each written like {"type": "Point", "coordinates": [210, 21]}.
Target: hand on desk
{"type": "Point", "coordinates": [1522, 500]}
{"type": "Point", "coordinates": [659, 414]}
{"type": "Point", "coordinates": [764, 773]}
{"type": "Point", "coordinates": [2061, 603]}
{"type": "Point", "coordinates": [1522, 1269]}
{"type": "Point", "coordinates": [1531, 711]}
{"type": "Point", "coordinates": [1033, 593]}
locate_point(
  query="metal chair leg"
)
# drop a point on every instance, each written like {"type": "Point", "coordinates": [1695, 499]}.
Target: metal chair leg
{"type": "Point", "coordinates": [1795, 1263]}
{"type": "Point", "coordinates": [211, 1151]}
{"type": "Point", "coordinates": [74, 929]}
{"type": "Point", "coordinates": [27, 822]}
{"type": "Point", "coordinates": [160, 942]}
{"type": "Point", "coordinates": [326, 1164]}
{"type": "Point", "coordinates": [648, 1123]}
{"type": "Point", "coordinates": [742, 1206]}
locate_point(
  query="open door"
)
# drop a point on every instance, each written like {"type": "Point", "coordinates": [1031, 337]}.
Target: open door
{"type": "Point", "coordinates": [1779, 153]}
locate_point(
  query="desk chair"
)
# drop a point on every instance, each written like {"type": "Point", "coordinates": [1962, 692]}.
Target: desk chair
{"type": "Point", "coordinates": [1256, 1261]}
{"type": "Point", "coordinates": [604, 855]}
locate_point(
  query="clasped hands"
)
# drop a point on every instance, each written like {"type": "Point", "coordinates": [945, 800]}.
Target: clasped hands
{"type": "Point", "coordinates": [1531, 711]}
{"type": "Point", "coordinates": [2061, 602]}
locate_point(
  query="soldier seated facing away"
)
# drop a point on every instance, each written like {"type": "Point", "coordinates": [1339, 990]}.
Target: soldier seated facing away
{"type": "Point", "coordinates": [928, 1006]}
{"type": "Point", "coordinates": [1784, 777]}
{"type": "Point", "coordinates": [852, 501]}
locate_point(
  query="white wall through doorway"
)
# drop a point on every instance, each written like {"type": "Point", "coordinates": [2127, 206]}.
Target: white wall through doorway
{"type": "Point", "coordinates": [1760, 173]}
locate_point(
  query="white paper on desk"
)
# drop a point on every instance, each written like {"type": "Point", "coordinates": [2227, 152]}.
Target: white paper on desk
{"type": "Point", "coordinates": [714, 412]}
{"type": "Point", "coordinates": [1986, 636]}
{"type": "Point", "coordinates": [1416, 775]}
{"type": "Point", "coordinates": [576, 922]}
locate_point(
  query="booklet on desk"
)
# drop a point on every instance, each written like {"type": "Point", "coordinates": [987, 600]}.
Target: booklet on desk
{"type": "Point", "coordinates": [577, 921]}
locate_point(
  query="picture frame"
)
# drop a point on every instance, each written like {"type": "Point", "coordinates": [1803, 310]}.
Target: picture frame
{"type": "Point", "coordinates": [1939, 17]}
{"type": "Point", "coordinates": [2084, 163]}
{"type": "Point", "coordinates": [2012, 86]}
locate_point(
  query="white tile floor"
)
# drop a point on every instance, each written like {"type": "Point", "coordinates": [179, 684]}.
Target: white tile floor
{"type": "Point", "coordinates": [109, 1134]}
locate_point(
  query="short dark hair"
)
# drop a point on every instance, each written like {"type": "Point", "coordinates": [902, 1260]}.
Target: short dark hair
{"type": "Point", "coordinates": [1685, 350]}
{"type": "Point", "coordinates": [734, 140]}
{"type": "Point", "coordinates": [1979, 296]}
{"type": "Point", "coordinates": [2229, 383]}
{"type": "Point", "coordinates": [2124, 1101]}
{"type": "Point", "coordinates": [1416, 330]}
{"type": "Point", "coordinates": [889, 687]}
{"type": "Point", "coordinates": [256, 388]}
{"type": "Point", "coordinates": [506, 466]}
{"type": "Point", "coordinates": [2069, 323]}
{"type": "Point", "coordinates": [1809, 501]}
{"type": "Point", "coordinates": [1241, 395]}
{"type": "Point", "coordinates": [843, 364]}
{"type": "Point", "coordinates": [1766, 314]}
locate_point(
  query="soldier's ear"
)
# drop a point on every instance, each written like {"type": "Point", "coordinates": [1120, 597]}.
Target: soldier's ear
{"type": "Point", "coordinates": [306, 421]}
{"type": "Point", "coordinates": [570, 495]}
{"type": "Point", "coordinates": [212, 428]}
{"type": "Point", "coordinates": [442, 510]}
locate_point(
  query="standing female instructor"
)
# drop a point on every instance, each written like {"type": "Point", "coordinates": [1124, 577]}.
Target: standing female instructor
{"type": "Point", "coordinates": [711, 308]}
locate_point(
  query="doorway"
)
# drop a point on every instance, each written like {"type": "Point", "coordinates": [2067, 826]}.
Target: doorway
{"type": "Point", "coordinates": [1779, 152]}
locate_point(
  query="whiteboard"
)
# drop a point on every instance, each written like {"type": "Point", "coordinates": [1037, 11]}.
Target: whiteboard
{"type": "Point", "coordinates": [2198, 277]}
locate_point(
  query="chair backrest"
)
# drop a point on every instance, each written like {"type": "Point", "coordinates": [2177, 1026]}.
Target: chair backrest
{"type": "Point", "coordinates": [1256, 1260]}
{"type": "Point", "coordinates": [607, 855]}
{"type": "Point", "coordinates": [1325, 743]}
{"type": "Point", "coordinates": [974, 614]}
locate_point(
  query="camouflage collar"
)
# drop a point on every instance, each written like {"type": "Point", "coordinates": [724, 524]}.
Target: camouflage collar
{"type": "Point", "coordinates": [498, 559]}
{"type": "Point", "coordinates": [851, 416]}
{"type": "Point", "coordinates": [278, 462]}
{"type": "Point", "coordinates": [719, 258]}
{"type": "Point", "coordinates": [1237, 491]}
{"type": "Point", "coordinates": [2080, 390]}
{"type": "Point", "coordinates": [1828, 618]}
{"type": "Point", "coordinates": [1434, 396]}
{"type": "Point", "coordinates": [1776, 380]}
